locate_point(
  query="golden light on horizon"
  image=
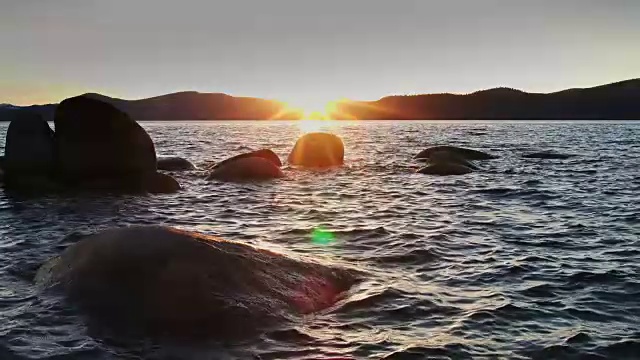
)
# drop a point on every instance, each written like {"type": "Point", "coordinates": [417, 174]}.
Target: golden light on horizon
{"type": "Point", "coordinates": [313, 109]}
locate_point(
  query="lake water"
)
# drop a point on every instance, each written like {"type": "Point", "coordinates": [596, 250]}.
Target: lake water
{"type": "Point", "coordinates": [523, 259]}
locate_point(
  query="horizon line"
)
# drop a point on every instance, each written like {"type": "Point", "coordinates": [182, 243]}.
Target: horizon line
{"type": "Point", "coordinates": [338, 99]}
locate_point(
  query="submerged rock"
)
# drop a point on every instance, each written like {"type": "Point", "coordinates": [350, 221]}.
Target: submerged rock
{"type": "Point", "coordinates": [246, 169]}
{"type": "Point", "coordinates": [463, 153]}
{"type": "Point", "coordinates": [168, 281]}
{"type": "Point", "coordinates": [547, 155]}
{"type": "Point", "coordinates": [94, 140]}
{"type": "Point", "coordinates": [317, 150]}
{"type": "Point", "coordinates": [449, 157]}
{"type": "Point", "coordinates": [445, 169]}
{"type": "Point", "coordinates": [266, 154]}
{"type": "Point", "coordinates": [174, 164]}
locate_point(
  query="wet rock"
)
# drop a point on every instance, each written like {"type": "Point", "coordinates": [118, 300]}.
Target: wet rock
{"type": "Point", "coordinates": [172, 282]}
{"type": "Point", "coordinates": [266, 154]}
{"type": "Point", "coordinates": [246, 169]}
{"type": "Point", "coordinates": [94, 140]}
{"type": "Point", "coordinates": [547, 155]}
{"type": "Point", "coordinates": [449, 157]}
{"type": "Point", "coordinates": [317, 150]}
{"type": "Point", "coordinates": [445, 169]}
{"type": "Point", "coordinates": [28, 146]}
{"type": "Point", "coordinates": [463, 153]}
{"type": "Point", "coordinates": [158, 183]}
{"type": "Point", "coordinates": [174, 164]}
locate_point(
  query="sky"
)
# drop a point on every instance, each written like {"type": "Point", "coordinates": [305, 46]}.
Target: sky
{"type": "Point", "coordinates": [308, 52]}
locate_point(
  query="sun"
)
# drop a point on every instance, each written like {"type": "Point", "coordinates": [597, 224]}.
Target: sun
{"type": "Point", "coordinates": [313, 109]}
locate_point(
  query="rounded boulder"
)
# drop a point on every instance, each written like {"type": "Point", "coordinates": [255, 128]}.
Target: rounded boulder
{"type": "Point", "coordinates": [246, 169]}
{"type": "Point", "coordinates": [95, 140]}
{"type": "Point", "coordinates": [173, 282]}
{"type": "Point", "coordinates": [317, 150]}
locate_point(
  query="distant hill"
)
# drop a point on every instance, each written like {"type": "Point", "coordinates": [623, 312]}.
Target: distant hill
{"type": "Point", "coordinates": [617, 101]}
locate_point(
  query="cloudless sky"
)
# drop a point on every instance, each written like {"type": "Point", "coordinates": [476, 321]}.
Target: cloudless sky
{"type": "Point", "coordinates": [305, 51]}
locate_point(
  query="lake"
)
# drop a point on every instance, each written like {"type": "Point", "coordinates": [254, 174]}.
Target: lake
{"type": "Point", "coordinates": [525, 258]}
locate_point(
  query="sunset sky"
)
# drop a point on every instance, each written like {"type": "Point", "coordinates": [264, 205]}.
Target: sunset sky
{"type": "Point", "coordinates": [306, 52]}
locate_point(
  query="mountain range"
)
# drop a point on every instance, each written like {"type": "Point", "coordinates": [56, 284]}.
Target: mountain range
{"type": "Point", "coordinates": [616, 101]}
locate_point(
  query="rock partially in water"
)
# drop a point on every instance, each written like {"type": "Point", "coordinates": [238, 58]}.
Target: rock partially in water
{"type": "Point", "coordinates": [98, 147]}
{"type": "Point", "coordinates": [94, 140]}
{"type": "Point", "coordinates": [547, 155]}
{"type": "Point", "coordinates": [172, 282]}
{"type": "Point", "coordinates": [266, 154]}
{"type": "Point", "coordinates": [317, 150]}
{"type": "Point", "coordinates": [174, 164]}
{"type": "Point", "coordinates": [246, 169]}
{"type": "Point", "coordinates": [445, 169]}
{"type": "Point", "coordinates": [463, 153]}
{"type": "Point", "coordinates": [449, 157]}
{"type": "Point", "coordinates": [28, 149]}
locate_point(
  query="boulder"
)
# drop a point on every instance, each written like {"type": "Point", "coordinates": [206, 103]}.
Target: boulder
{"type": "Point", "coordinates": [174, 164]}
{"type": "Point", "coordinates": [158, 183]}
{"type": "Point", "coordinates": [246, 169]}
{"type": "Point", "coordinates": [96, 141]}
{"type": "Point", "coordinates": [463, 153]}
{"type": "Point", "coordinates": [28, 147]}
{"type": "Point", "coordinates": [449, 157]}
{"type": "Point", "coordinates": [547, 155]}
{"type": "Point", "coordinates": [262, 153]}
{"type": "Point", "coordinates": [445, 169]}
{"type": "Point", "coordinates": [172, 282]}
{"type": "Point", "coordinates": [317, 150]}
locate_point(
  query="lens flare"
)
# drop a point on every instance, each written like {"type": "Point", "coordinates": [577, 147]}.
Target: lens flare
{"type": "Point", "coordinates": [321, 236]}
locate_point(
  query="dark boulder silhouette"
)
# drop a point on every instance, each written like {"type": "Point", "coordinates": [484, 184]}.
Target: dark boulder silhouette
{"type": "Point", "coordinates": [449, 157]}
{"type": "Point", "coordinates": [246, 169]}
{"type": "Point", "coordinates": [266, 154]}
{"type": "Point", "coordinates": [547, 155]}
{"type": "Point", "coordinates": [172, 282]}
{"type": "Point", "coordinates": [459, 152]}
{"type": "Point", "coordinates": [445, 169]}
{"type": "Point", "coordinates": [29, 151]}
{"type": "Point", "coordinates": [99, 147]}
{"type": "Point", "coordinates": [317, 150]}
{"type": "Point", "coordinates": [174, 164]}
{"type": "Point", "coordinates": [94, 140]}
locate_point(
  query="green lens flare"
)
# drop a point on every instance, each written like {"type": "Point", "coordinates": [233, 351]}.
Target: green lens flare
{"type": "Point", "coordinates": [320, 236]}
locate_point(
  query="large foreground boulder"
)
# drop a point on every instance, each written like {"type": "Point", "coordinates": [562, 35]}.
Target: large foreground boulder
{"type": "Point", "coordinates": [94, 141]}
{"type": "Point", "coordinates": [164, 280]}
{"type": "Point", "coordinates": [246, 169]}
{"type": "Point", "coordinates": [317, 150]}
{"type": "Point", "coordinates": [463, 153]}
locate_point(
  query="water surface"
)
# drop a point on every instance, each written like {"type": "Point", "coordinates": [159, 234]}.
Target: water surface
{"type": "Point", "coordinates": [524, 259]}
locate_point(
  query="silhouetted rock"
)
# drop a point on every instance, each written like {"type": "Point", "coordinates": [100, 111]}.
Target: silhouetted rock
{"type": "Point", "coordinates": [174, 164]}
{"type": "Point", "coordinates": [449, 157]}
{"type": "Point", "coordinates": [173, 282]}
{"type": "Point", "coordinates": [317, 150]}
{"type": "Point", "coordinates": [462, 153]}
{"type": "Point", "coordinates": [547, 155]}
{"type": "Point", "coordinates": [262, 153]}
{"type": "Point", "coordinates": [94, 141]}
{"type": "Point", "coordinates": [158, 183]}
{"type": "Point", "coordinates": [445, 169]}
{"type": "Point", "coordinates": [246, 169]}
{"type": "Point", "coordinates": [28, 156]}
